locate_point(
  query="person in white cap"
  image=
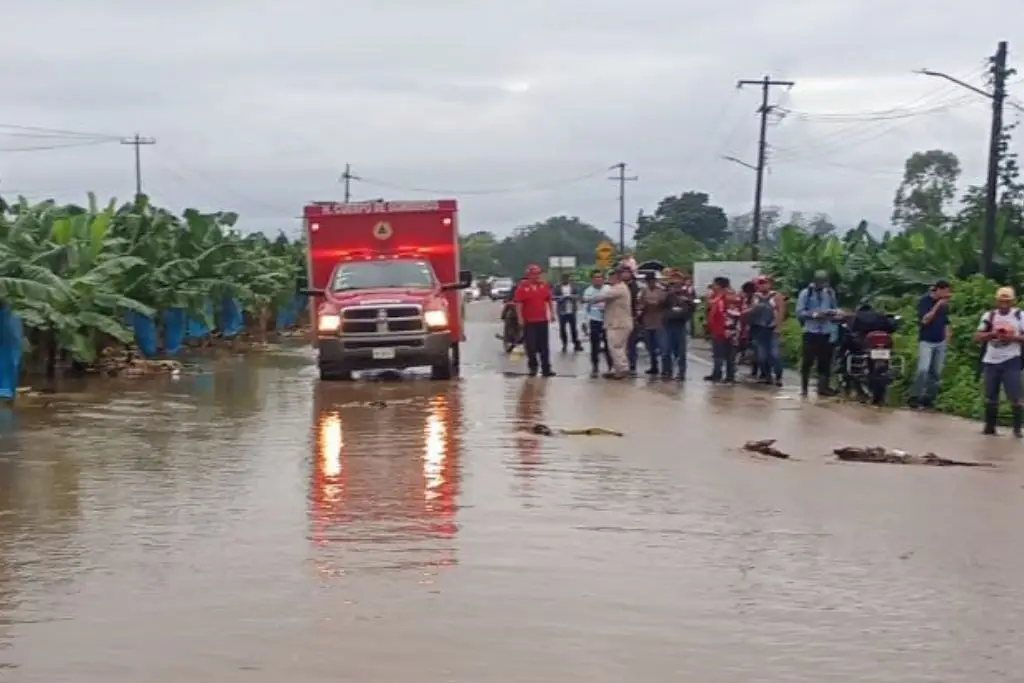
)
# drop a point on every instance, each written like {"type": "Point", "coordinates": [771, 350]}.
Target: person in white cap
{"type": "Point", "coordinates": [1001, 333]}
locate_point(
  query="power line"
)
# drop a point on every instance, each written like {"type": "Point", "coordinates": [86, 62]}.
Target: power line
{"type": "Point", "coordinates": [540, 187]}
{"type": "Point", "coordinates": [137, 142]}
{"type": "Point", "coordinates": [41, 148]}
{"type": "Point", "coordinates": [52, 132]}
{"type": "Point", "coordinates": [622, 179]}
{"type": "Point", "coordinates": [766, 84]}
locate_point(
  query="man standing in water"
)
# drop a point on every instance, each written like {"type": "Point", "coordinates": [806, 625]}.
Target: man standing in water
{"type": "Point", "coordinates": [816, 308]}
{"type": "Point", "coordinates": [595, 322]}
{"type": "Point", "coordinates": [618, 321]}
{"type": "Point", "coordinates": [765, 313]}
{"type": "Point", "coordinates": [535, 309]}
{"type": "Point", "coordinates": [1001, 333]}
{"type": "Point", "coordinates": [567, 299]}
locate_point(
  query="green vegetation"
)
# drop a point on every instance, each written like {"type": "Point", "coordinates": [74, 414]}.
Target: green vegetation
{"type": "Point", "coordinates": [72, 273]}
{"type": "Point", "coordinates": [934, 236]}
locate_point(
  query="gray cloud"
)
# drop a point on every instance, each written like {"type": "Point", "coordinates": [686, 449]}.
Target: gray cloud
{"type": "Point", "coordinates": [257, 105]}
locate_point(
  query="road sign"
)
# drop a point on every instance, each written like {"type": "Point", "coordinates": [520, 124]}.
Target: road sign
{"type": "Point", "coordinates": [561, 261]}
{"type": "Point", "coordinates": [605, 250]}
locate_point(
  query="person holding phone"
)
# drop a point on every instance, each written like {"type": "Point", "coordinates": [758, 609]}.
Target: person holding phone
{"type": "Point", "coordinates": [933, 334]}
{"type": "Point", "coordinates": [816, 309]}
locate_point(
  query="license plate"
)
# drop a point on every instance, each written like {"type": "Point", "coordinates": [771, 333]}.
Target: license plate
{"type": "Point", "coordinates": [383, 354]}
{"type": "Point", "coordinates": [881, 354]}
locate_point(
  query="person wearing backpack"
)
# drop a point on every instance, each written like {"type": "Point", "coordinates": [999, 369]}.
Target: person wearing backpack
{"type": "Point", "coordinates": [816, 308]}
{"type": "Point", "coordinates": [1001, 333]}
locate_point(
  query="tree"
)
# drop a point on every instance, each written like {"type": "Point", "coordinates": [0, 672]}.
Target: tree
{"type": "Point", "coordinates": [556, 236]}
{"type": "Point", "coordinates": [477, 253]}
{"type": "Point", "coordinates": [672, 247]}
{"type": "Point", "coordinates": [689, 213]}
{"type": "Point", "coordinates": [929, 185]}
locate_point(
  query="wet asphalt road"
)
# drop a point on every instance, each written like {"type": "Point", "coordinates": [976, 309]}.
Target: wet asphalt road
{"type": "Point", "coordinates": [250, 524]}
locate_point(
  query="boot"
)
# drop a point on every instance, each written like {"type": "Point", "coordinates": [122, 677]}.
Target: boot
{"type": "Point", "coordinates": [1018, 418]}
{"type": "Point", "coordinates": [991, 415]}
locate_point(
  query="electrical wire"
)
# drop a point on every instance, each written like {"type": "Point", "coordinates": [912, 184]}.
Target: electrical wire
{"type": "Point", "coordinates": [539, 187]}
{"type": "Point", "coordinates": [41, 148]}
{"type": "Point", "coordinates": [27, 131]}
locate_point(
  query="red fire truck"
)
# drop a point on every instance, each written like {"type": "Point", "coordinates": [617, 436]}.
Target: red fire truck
{"type": "Point", "coordinates": [385, 280]}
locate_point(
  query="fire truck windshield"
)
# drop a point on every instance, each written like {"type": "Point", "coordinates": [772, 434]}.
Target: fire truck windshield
{"type": "Point", "coordinates": [376, 274]}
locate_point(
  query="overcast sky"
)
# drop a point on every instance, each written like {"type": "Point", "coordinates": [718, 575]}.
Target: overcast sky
{"type": "Point", "coordinates": [256, 106]}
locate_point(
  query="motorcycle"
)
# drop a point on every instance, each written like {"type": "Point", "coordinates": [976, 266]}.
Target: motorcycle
{"type": "Point", "coordinates": [512, 333]}
{"type": "Point", "coordinates": [865, 364]}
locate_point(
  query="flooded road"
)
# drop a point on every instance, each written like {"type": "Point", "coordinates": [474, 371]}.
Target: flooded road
{"type": "Point", "coordinates": [251, 524]}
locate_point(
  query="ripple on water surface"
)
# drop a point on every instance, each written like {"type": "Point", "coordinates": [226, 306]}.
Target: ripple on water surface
{"type": "Point", "coordinates": [250, 524]}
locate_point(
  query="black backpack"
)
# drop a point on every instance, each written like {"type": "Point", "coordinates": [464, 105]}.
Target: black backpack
{"type": "Point", "coordinates": [984, 346]}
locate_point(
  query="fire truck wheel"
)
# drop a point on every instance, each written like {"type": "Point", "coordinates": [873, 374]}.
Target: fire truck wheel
{"type": "Point", "coordinates": [449, 368]}
{"type": "Point", "coordinates": [335, 375]}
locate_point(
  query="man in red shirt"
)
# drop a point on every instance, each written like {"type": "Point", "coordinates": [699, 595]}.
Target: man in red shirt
{"type": "Point", "coordinates": [721, 329]}
{"type": "Point", "coordinates": [535, 309]}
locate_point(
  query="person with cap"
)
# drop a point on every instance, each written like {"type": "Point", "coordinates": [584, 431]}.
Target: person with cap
{"type": "Point", "coordinates": [816, 308]}
{"type": "Point", "coordinates": [567, 300]}
{"type": "Point", "coordinates": [678, 305]}
{"type": "Point", "coordinates": [1001, 333]}
{"type": "Point", "coordinates": [618, 319]}
{"type": "Point", "coordinates": [933, 333]}
{"type": "Point", "coordinates": [535, 310]}
{"type": "Point", "coordinates": [650, 310]}
{"type": "Point", "coordinates": [766, 311]}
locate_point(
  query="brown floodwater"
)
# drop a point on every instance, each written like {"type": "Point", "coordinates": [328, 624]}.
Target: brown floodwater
{"type": "Point", "coordinates": [251, 524]}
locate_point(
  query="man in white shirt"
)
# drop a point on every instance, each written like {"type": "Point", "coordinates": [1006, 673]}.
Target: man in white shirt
{"type": "Point", "coordinates": [1001, 334]}
{"type": "Point", "coordinates": [567, 303]}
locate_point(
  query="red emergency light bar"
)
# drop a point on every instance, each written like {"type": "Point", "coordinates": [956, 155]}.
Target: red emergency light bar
{"type": "Point", "coordinates": [397, 253]}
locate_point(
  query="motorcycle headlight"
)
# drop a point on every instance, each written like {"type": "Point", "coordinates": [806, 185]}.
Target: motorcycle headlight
{"type": "Point", "coordinates": [328, 323]}
{"type": "Point", "coordinates": [436, 319]}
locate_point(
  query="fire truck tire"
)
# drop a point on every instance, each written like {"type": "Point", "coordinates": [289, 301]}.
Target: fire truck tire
{"type": "Point", "coordinates": [335, 375]}
{"type": "Point", "coordinates": [449, 368]}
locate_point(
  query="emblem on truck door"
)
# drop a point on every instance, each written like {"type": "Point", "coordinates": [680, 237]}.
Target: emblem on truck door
{"type": "Point", "coordinates": [382, 230]}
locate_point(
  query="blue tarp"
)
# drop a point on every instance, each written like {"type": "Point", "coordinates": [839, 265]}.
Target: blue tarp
{"type": "Point", "coordinates": [288, 314]}
{"type": "Point", "coordinates": [10, 353]}
{"type": "Point", "coordinates": [197, 329]}
{"type": "Point", "coordinates": [174, 329]}
{"type": "Point", "coordinates": [145, 333]}
{"type": "Point", "coordinates": [231, 320]}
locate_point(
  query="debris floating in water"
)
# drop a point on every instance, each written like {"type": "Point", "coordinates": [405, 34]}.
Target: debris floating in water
{"type": "Point", "coordinates": [544, 430]}
{"type": "Point", "coordinates": [765, 447]}
{"type": "Point", "coordinates": [893, 456]}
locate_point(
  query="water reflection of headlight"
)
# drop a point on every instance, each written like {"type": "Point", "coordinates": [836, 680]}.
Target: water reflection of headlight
{"type": "Point", "coordinates": [435, 448]}
{"type": "Point", "coordinates": [331, 442]}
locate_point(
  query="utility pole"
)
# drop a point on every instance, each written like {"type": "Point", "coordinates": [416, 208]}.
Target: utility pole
{"type": "Point", "coordinates": [623, 179]}
{"type": "Point", "coordinates": [347, 177]}
{"type": "Point", "coordinates": [766, 84]}
{"type": "Point", "coordinates": [988, 236]}
{"type": "Point", "coordinates": [137, 142]}
{"type": "Point", "coordinates": [999, 72]}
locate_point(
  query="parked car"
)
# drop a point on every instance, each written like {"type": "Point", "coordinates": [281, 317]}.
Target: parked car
{"type": "Point", "coordinates": [501, 288]}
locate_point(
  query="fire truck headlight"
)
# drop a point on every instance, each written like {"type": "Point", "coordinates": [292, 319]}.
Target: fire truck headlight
{"type": "Point", "coordinates": [328, 323]}
{"type": "Point", "coordinates": [436, 319]}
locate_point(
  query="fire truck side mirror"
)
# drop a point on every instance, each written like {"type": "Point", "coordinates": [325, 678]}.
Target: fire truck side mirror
{"type": "Point", "coordinates": [465, 281]}
{"type": "Point", "coordinates": [311, 292]}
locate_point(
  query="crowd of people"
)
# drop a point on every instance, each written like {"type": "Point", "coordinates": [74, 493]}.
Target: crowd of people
{"type": "Point", "coordinates": [622, 309]}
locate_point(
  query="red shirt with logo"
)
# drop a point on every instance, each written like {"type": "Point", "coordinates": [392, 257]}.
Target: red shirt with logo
{"type": "Point", "coordinates": [535, 298]}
